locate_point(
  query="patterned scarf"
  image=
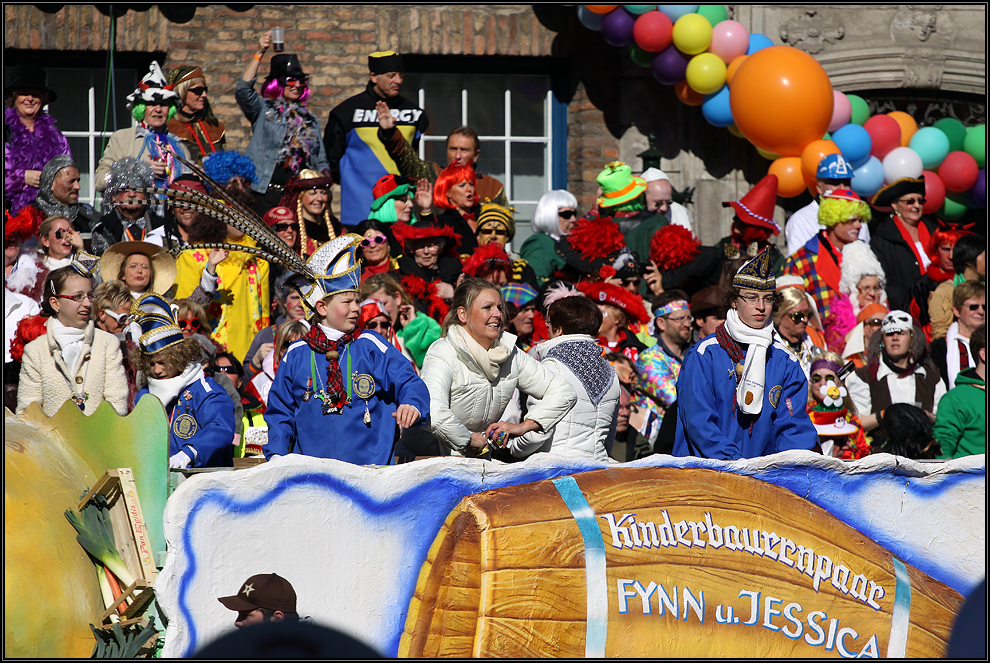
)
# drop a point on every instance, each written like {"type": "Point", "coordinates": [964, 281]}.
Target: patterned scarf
{"type": "Point", "coordinates": [730, 345]}
{"type": "Point", "coordinates": [319, 342]}
{"type": "Point", "coordinates": [155, 142]}
{"type": "Point", "coordinates": [299, 136]}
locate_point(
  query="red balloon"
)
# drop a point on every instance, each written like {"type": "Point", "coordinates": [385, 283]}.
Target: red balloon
{"type": "Point", "coordinates": [959, 172]}
{"type": "Point", "coordinates": [934, 192]}
{"type": "Point", "coordinates": [653, 31]}
{"type": "Point", "coordinates": [885, 133]}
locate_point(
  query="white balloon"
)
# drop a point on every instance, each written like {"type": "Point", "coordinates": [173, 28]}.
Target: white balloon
{"type": "Point", "coordinates": [902, 162]}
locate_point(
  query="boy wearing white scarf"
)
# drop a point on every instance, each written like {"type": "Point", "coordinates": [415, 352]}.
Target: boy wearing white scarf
{"type": "Point", "coordinates": [741, 393]}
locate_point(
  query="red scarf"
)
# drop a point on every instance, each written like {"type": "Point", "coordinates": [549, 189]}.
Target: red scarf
{"type": "Point", "coordinates": [319, 342]}
{"type": "Point", "coordinates": [923, 237]}
{"type": "Point", "coordinates": [828, 265]}
{"type": "Point", "coordinates": [937, 274]}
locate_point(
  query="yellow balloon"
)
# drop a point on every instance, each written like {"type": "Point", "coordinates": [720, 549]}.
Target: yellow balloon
{"type": "Point", "coordinates": [692, 34]}
{"type": "Point", "coordinates": [705, 73]}
{"type": "Point", "coordinates": [734, 130]}
{"type": "Point", "coordinates": [766, 154]}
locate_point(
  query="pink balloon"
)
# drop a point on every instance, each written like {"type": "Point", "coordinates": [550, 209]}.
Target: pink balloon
{"type": "Point", "coordinates": [841, 111]}
{"type": "Point", "coordinates": [729, 40]}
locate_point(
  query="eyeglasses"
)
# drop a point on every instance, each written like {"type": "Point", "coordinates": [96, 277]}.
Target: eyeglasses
{"type": "Point", "coordinates": [799, 317]}
{"type": "Point", "coordinates": [296, 80]}
{"type": "Point", "coordinates": [978, 307]}
{"type": "Point", "coordinates": [377, 240]}
{"type": "Point", "coordinates": [912, 201]}
{"type": "Point", "coordinates": [874, 322]}
{"type": "Point", "coordinates": [79, 297]}
{"type": "Point", "coordinates": [566, 214]}
{"type": "Point", "coordinates": [681, 319]}
{"type": "Point", "coordinates": [192, 323]}
{"type": "Point", "coordinates": [663, 203]}
{"type": "Point", "coordinates": [816, 378]}
{"type": "Point", "coordinates": [199, 90]}
{"type": "Point", "coordinates": [869, 288]}
{"type": "Point", "coordinates": [753, 299]}
{"type": "Point", "coordinates": [282, 227]}
{"type": "Point", "coordinates": [383, 325]}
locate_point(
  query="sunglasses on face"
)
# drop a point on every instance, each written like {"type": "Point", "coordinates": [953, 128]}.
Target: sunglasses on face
{"type": "Point", "coordinates": [120, 318]}
{"type": "Point", "coordinates": [566, 214]}
{"type": "Point", "coordinates": [192, 323]}
{"type": "Point", "coordinates": [816, 378]}
{"type": "Point", "coordinates": [799, 317]}
{"type": "Point", "coordinates": [977, 307]}
{"type": "Point", "coordinates": [383, 325]}
{"type": "Point", "coordinates": [912, 201]}
{"type": "Point", "coordinates": [296, 80]}
{"type": "Point", "coordinates": [78, 298]}
{"type": "Point", "coordinates": [226, 369]}
{"type": "Point", "coordinates": [199, 90]}
{"type": "Point", "coordinates": [62, 232]}
{"type": "Point", "coordinates": [664, 203]}
{"type": "Point", "coordinates": [377, 240]}
{"type": "Point", "coordinates": [282, 227]}
{"type": "Point", "coordinates": [498, 232]}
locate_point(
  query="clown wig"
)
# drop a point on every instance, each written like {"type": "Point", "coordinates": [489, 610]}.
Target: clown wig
{"type": "Point", "coordinates": [449, 177]}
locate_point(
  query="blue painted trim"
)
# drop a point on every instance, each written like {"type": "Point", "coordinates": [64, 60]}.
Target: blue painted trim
{"type": "Point", "coordinates": [596, 627]}
{"type": "Point", "coordinates": [900, 619]}
{"type": "Point", "coordinates": [558, 132]}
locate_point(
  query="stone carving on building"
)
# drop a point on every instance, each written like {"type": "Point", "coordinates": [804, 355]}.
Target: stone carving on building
{"type": "Point", "coordinates": [923, 25]}
{"type": "Point", "coordinates": [928, 112]}
{"type": "Point", "coordinates": [811, 31]}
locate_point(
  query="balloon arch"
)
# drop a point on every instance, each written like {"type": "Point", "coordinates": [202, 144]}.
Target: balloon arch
{"type": "Point", "coordinates": [781, 100]}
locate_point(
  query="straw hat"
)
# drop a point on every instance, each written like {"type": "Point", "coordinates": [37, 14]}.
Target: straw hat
{"type": "Point", "coordinates": [162, 262]}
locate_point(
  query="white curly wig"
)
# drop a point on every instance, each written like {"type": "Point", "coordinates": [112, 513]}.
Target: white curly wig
{"type": "Point", "coordinates": [859, 261]}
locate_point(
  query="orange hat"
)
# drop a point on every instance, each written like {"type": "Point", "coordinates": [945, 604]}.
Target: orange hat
{"type": "Point", "coordinates": [872, 310]}
{"type": "Point", "coordinates": [756, 207]}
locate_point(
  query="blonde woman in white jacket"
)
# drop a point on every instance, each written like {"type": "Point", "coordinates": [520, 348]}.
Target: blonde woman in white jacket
{"type": "Point", "coordinates": [472, 371]}
{"type": "Point", "coordinates": [73, 361]}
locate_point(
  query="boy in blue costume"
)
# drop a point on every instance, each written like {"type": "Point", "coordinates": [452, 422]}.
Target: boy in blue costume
{"type": "Point", "coordinates": [741, 393]}
{"type": "Point", "coordinates": [340, 391]}
{"type": "Point", "coordinates": [200, 413]}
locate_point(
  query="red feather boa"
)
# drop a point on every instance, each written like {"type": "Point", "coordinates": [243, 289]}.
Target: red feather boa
{"type": "Point", "coordinates": [426, 292]}
{"type": "Point", "coordinates": [596, 238]}
{"type": "Point", "coordinates": [673, 246]}
{"type": "Point", "coordinates": [28, 329]}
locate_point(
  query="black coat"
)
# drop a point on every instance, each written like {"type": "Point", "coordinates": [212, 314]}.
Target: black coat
{"type": "Point", "coordinates": [898, 261]}
{"type": "Point", "coordinates": [448, 269]}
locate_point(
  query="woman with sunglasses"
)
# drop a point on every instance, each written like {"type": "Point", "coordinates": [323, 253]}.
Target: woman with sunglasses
{"type": "Point", "coordinates": [197, 127]}
{"type": "Point", "coordinates": [797, 323]}
{"type": "Point", "coordinates": [899, 241]}
{"type": "Point", "coordinates": [73, 361]}
{"type": "Point", "coordinates": [111, 313]}
{"type": "Point", "coordinates": [286, 134]}
{"type": "Point", "coordinates": [554, 217]}
{"type": "Point", "coordinates": [376, 248]}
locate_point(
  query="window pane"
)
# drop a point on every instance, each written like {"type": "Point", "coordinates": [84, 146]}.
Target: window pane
{"type": "Point", "coordinates": [529, 171]}
{"type": "Point", "coordinates": [434, 150]}
{"type": "Point", "coordinates": [80, 154]}
{"type": "Point", "coordinates": [486, 104]}
{"type": "Point", "coordinates": [492, 159]}
{"type": "Point", "coordinates": [72, 106]}
{"type": "Point", "coordinates": [523, 216]}
{"type": "Point", "coordinates": [529, 98]}
{"type": "Point", "coordinates": [443, 103]}
{"type": "Point", "coordinates": [125, 80]}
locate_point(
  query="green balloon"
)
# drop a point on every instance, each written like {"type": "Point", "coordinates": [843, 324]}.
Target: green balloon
{"type": "Point", "coordinates": [955, 205]}
{"type": "Point", "coordinates": [860, 109]}
{"type": "Point", "coordinates": [975, 144]}
{"type": "Point", "coordinates": [641, 57]}
{"type": "Point", "coordinates": [714, 13]}
{"type": "Point", "coordinates": [954, 130]}
{"type": "Point", "coordinates": [827, 136]}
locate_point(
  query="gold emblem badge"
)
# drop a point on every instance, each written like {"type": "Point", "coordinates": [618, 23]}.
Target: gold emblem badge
{"type": "Point", "coordinates": [775, 396]}
{"type": "Point", "coordinates": [364, 385]}
{"type": "Point", "coordinates": [185, 426]}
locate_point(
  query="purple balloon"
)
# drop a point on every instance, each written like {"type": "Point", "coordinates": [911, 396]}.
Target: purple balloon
{"type": "Point", "coordinates": [617, 27]}
{"type": "Point", "coordinates": [978, 194]}
{"type": "Point", "coordinates": [670, 65]}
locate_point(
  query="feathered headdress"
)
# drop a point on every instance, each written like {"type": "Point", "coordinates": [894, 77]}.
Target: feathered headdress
{"type": "Point", "coordinates": [559, 290]}
{"type": "Point", "coordinates": [426, 292]}
{"type": "Point", "coordinates": [673, 246]}
{"type": "Point", "coordinates": [22, 225]}
{"type": "Point", "coordinates": [404, 232]}
{"type": "Point", "coordinates": [490, 254]}
{"type": "Point", "coordinates": [28, 329]}
{"type": "Point", "coordinates": [596, 238]}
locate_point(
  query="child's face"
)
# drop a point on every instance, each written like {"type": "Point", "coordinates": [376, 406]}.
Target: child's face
{"type": "Point", "coordinates": [161, 371]}
{"type": "Point", "coordinates": [340, 312]}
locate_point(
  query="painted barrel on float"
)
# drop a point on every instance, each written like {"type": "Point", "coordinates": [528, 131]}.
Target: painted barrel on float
{"type": "Point", "coordinates": [666, 562]}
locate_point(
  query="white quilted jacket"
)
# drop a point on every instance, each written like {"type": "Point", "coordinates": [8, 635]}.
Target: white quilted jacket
{"type": "Point", "coordinates": [463, 400]}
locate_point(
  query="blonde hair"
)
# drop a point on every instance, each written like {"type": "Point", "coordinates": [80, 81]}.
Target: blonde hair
{"type": "Point", "coordinates": [789, 297]}
{"type": "Point", "coordinates": [187, 306]}
{"type": "Point", "coordinates": [309, 174]}
{"type": "Point", "coordinates": [111, 295]}
{"type": "Point", "coordinates": [464, 297]}
{"type": "Point", "coordinates": [289, 332]}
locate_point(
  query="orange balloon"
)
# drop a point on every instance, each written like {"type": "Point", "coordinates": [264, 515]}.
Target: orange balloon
{"type": "Point", "coordinates": [908, 126]}
{"type": "Point", "coordinates": [811, 184]}
{"type": "Point", "coordinates": [600, 9]}
{"type": "Point", "coordinates": [686, 94]}
{"type": "Point", "coordinates": [733, 68]}
{"type": "Point", "coordinates": [790, 181]}
{"type": "Point", "coordinates": [781, 99]}
{"type": "Point", "coordinates": [814, 152]}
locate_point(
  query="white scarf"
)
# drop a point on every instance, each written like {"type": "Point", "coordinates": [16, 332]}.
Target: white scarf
{"type": "Point", "coordinates": [489, 361]}
{"type": "Point", "coordinates": [952, 354]}
{"type": "Point", "coordinates": [167, 389]}
{"type": "Point", "coordinates": [749, 392]}
{"type": "Point", "coordinates": [70, 341]}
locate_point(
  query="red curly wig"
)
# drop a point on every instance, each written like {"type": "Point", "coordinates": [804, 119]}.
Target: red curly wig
{"type": "Point", "coordinates": [673, 246]}
{"type": "Point", "coordinates": [450, 176]}
{"type": "Point", "coordinates": [28, 329]}
{"type": "Point", "coordinates": [488, 260]}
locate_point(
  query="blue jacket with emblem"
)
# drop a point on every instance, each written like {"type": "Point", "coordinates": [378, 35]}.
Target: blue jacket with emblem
{"type": "Point", "coordinates": [208, 440]}
{"type": "Point", "coordinates": [301, 426]}
{"type": "Point", "coordinates": [710, 425]}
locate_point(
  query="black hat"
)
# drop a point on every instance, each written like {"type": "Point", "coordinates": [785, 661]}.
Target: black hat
{"type": "Point", "coordinates": [383, 62]}
{"type": "Point", "coordinates": [898, 189]}
{"type": "Point", "coordinates": [285, 64]}
{"type": "Point", "coordinates": [29, 77]}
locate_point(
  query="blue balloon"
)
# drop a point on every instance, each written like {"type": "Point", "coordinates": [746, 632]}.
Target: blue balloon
{"type": "Point", "coordinates": [716, 108]}
{"type": "Point", "coordinates": [676, 11]}
{"type": "Point", "coordinates": [639, 9]}
{"type": "Point", "coordinates": [758, 42]}
{"type": "Point", "coordinates": [868, 178]}
{"type": "Point", "coordinates": [590, 19]}
{"type": "Point", "coordinates": [855, 144]}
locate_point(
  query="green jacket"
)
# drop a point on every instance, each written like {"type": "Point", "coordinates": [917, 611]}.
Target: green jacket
{"type": "Point", "coordinates": [961, 423]}
{"type": "Point", "coordinates": [538, 250]}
